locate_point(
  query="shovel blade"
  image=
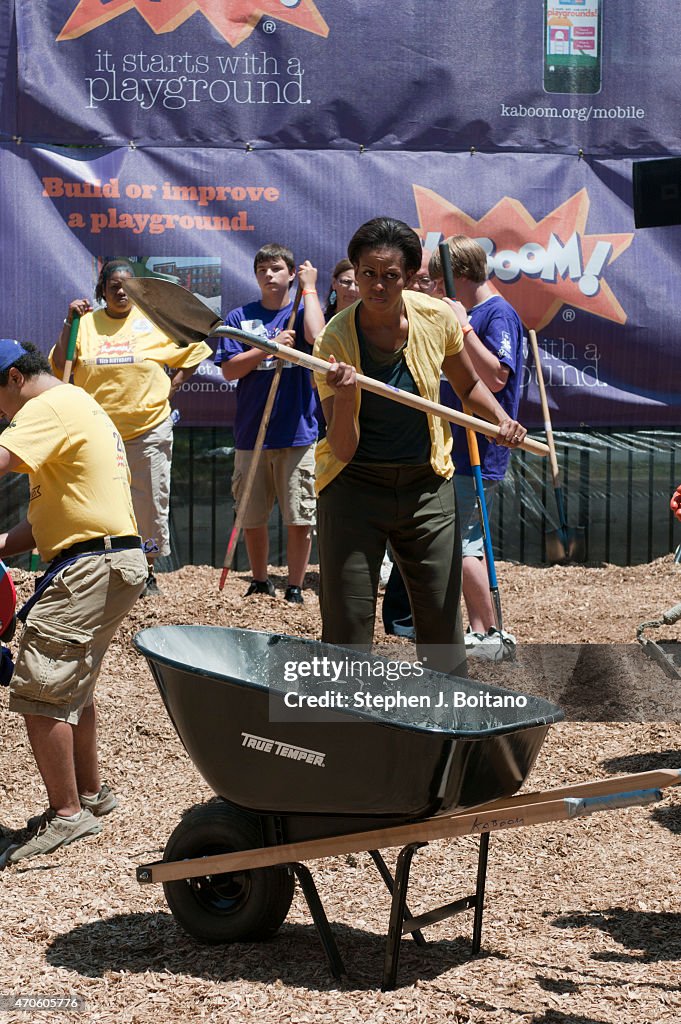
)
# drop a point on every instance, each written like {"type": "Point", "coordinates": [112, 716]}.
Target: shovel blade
{"type": "Point", "coordinates": [565, 546]}
{"type": "Point", "coordinates": [669, 660]}
{"type": "Point", "coordinates": [576, 543]}
{"type": "Point", "coordinates": [173, 309]}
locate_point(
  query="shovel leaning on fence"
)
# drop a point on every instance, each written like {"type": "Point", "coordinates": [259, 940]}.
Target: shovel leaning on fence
{"type": "Point", "coordinates": [566, 544]}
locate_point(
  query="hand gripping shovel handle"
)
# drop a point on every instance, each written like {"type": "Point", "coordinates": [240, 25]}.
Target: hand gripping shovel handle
{"type": "Point", "coordinates": [377, 387]}
{"type": "Point", "coordinates": [257, 449]}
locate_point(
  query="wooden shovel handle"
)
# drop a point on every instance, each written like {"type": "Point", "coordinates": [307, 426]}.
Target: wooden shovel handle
{"type": "Point", "coordinates": [555, 471]}
{"type": "Point", "coordinates": [71, 349]}
{"type": "Point", "coordinates": [379, 388]}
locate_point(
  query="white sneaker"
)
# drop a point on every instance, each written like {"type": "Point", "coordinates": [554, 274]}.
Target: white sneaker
{"type": "Point", "coordinates": [494, 645]}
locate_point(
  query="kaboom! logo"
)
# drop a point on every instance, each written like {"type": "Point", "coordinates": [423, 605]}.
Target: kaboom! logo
{"type": "Point", "coordinates": [539, 266]}
{"type": "Point", "coordinates": [233, 19]}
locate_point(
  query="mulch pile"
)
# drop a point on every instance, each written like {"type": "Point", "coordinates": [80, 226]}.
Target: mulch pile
{"type": "Point", "coordinates": [582, 922]}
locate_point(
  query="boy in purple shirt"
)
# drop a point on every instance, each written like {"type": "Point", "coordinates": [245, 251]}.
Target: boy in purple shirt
{"type": "Point", "coordinates": [286, 464]}
{"type": "Point", "coordinates": [493, 337]}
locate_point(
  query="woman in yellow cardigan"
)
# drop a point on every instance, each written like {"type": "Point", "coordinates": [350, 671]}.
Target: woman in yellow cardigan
{"type": "Point", "coordinates": [383, 471]}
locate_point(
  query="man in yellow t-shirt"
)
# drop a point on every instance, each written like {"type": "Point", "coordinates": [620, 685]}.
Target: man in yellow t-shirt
{"type": "Point", "coordinates": [121, 359]}
{"type": "Point", "coordinates": [80, 517]}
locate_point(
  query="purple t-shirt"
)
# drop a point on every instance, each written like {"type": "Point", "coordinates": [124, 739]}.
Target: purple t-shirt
{"type": "Point", "coordinates": [498, 326]}
{"type": "Point", "coordinates": [292, 420]}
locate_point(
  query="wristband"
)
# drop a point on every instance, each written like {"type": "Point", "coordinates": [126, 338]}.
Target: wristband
{"type": "Point", "coordinates": [309, 291]}
{"type": "Point", "coordinates": [467, 329]}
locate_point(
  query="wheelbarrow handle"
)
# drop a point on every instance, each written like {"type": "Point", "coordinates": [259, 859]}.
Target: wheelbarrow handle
{"type": "Point", "coordinates": [377, 387]}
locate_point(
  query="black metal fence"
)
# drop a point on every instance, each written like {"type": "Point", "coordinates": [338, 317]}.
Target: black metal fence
{"type": "Point", "coordinates": [617, 486]}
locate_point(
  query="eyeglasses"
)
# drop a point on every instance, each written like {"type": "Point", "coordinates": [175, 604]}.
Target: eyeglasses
{"type": "Point", "coordinates": [424, 280]}
{"type": "Point", "coordinates": [347, 282]}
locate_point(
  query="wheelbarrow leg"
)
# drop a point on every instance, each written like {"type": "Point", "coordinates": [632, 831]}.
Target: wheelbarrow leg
{"type": "Point", "coordinates": [383, 871]}
{"type": "Point", "coordinates": [483, 853]}
{"type": "Point", "coordinates": [397, 913]}
{"type": "Point", "coordinates": [320, 919]}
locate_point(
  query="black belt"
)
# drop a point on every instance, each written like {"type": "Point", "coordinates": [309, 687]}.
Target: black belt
{"type": "Point", "coordinates": [97, 545]}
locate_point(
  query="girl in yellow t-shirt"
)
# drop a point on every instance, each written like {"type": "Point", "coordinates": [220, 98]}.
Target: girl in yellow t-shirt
{"type": "Point", "coordinates": [120, 360]}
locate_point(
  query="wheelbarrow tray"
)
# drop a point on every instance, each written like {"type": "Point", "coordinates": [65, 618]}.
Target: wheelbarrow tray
{"type": "Point", "coordinates": [226, 691]}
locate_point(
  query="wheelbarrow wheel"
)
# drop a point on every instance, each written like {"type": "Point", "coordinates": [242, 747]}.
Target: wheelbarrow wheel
{"type": "Point", "coordinates": [244, 906]}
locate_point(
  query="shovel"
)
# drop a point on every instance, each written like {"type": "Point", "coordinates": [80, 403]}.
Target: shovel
{"type": "Point", "coordinates": [158, 300]}
{"type": "Point", "coordinates": [670, 658]}
{"type": "Point", "coordinates": [566, 544]}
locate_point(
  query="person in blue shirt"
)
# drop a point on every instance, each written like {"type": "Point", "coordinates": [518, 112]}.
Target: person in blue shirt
{"type": "Point", "coordinates": [286, 464]}
{"type": "Point", "coordinates": [493, 339]}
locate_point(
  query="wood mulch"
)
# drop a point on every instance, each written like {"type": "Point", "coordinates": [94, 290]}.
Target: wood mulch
{"type": "Point", "coordinates": [583, 919]}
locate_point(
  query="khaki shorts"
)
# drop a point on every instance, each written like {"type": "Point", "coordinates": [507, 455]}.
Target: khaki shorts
{"type": "Point", "coordinates": [288, 474]}
{"type": "Point", "coordinates": [67, 633]}
{"type": "Point", "coordinates": [149, 458]}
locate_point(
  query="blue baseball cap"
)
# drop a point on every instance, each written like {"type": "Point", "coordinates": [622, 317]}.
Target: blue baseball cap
{"type": "Point", "coordinates": [10, 351]}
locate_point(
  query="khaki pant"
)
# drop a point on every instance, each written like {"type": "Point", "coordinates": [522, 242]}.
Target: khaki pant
{"type": "Point", "coordinates": [68, 631]}
{"type": "Point", "coordinates": [150, 458]}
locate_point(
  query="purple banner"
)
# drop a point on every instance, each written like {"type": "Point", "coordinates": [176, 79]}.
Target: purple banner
{"type": "Point", "coordinates": [558, 231]}
{"type": "Point", "coordinates": [554, 76]}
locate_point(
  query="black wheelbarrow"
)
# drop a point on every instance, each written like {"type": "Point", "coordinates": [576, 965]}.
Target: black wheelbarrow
{"type": "Point", "coordinates": [316, 751]}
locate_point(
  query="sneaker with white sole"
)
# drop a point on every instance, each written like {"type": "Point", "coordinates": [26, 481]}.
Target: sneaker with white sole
{"type": "Point", "coordinates": [53, 832]}
{"type": "Point", "coordinates": [494, 645]}
{"type": "Point", "coordinates": [403, 627]}
{"type": "Point", "coordinates": [100, 804]}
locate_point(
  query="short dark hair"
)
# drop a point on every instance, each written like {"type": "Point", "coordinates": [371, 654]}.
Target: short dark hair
{"type": "Point", "coordinates": [387, 233]}
{"type": "Point", "coordinates": [272, 251]}
{"type": "Point", "coordinates": [32, 364]}
{"type": "Point", "coordinates": [107, 271]}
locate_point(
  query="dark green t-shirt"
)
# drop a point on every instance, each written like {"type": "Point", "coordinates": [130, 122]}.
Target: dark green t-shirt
{"type": "Point", "coordinates": [388, 431]}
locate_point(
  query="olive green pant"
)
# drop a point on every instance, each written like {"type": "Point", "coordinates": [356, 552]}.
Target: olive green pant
{"type": "Point", "coordinates": [367, 505]}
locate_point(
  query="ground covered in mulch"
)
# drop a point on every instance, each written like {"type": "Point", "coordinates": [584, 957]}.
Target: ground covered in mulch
{"type": "Point", "coordinates": [583, 919]}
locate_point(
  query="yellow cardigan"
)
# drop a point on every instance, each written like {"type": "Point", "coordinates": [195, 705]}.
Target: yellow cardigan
{"type": "Point", "coordinates": [434, 333]}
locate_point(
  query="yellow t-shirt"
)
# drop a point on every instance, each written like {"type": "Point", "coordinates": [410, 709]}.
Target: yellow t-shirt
{"type": "Point", "coordinates": [120, 363]}
{"type": "Point", "coordinates": [434, 333]}
{"type": "Point", "coordinates": [77, 471]}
